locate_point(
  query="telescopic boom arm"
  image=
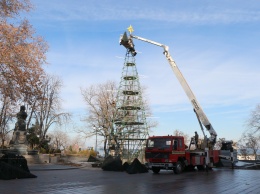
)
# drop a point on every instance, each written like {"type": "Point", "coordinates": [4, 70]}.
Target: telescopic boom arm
{"type": "Point", "coordinates": [197, 108]}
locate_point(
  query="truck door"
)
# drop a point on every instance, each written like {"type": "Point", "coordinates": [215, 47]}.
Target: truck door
{"type": "Point", "coordinates": [175, 144]}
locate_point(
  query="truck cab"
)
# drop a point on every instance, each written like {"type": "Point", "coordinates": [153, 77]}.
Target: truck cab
{"type": "Point", "coordinates": [165, 152]}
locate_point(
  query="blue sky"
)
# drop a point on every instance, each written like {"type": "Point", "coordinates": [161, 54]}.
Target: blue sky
{"type": "Point", "coordinates": [216, 45]}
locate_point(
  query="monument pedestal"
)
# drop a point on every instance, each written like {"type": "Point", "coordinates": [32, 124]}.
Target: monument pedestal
{"type": "Point", "coordinates": [20, 149]}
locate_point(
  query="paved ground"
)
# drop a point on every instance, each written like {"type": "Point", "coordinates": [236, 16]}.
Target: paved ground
{"type": "Point", "coordinates": [65, 179]}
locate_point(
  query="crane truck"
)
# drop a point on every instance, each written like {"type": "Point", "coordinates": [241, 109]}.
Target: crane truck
{"type": "Point", "coordinates": [170, 152]}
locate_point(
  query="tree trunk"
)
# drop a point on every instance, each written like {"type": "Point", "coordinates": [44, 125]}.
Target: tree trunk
{"type": "Point", "coordinates": [3, 143]}
{"type": "Point", "coordinates": [105, 147]}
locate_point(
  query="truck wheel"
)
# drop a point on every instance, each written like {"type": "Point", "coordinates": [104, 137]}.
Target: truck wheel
{"type": "Point", "coordinates": [178, 168]}
{"type": "Point", "coordinates": [208, 168]}
{"type": "Point", "coordinates": [190, 168]}
{"type": "Point", "coordinates": [200, 167]}
{"type": "Point", "coordinates": [156, 170]}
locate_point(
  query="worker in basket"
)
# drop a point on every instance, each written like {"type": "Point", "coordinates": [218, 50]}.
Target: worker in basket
{"type": "Point", "coordinates": [196, 139]}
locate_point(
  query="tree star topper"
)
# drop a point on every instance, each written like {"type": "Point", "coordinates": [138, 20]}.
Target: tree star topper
{"type": "Point", "coordinates": [130, 29]}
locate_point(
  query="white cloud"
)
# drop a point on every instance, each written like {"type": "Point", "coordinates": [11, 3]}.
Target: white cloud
{"type": "Point", "coordinates": [190, 12]}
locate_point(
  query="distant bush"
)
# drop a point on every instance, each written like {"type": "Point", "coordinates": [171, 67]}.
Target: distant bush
{"type": "Point", "coordinates": [86, 153]}
{"type": "Point", "coordinates": [57, 151]}
{"type": "Point", "coordinates": [70, 152]}
{"type": "Point", "coordinates": [92, 153]}
{"type": "Point", "coordinates": [42, 151]}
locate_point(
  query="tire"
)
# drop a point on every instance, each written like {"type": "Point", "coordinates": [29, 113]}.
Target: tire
{"type": "Point", "coordinates": [178, 168]}
{"type": "Point", "coordinates": [200, 167]}
{"type": "Point", "coordinates": [208, 168]}
{"type": "Point", "coordinates": [156, 170]}
{"type": "Point", "coordinates": [190, 168]}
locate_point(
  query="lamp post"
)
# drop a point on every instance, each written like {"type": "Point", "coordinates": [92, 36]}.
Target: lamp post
{"type": "Point", "coordinates": [96, 142]}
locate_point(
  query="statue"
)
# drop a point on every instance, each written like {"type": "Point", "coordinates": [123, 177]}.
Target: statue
{"type": "Point", "coordinates": [13, 164]}
{"type": "Point", "coordinates": [19, 134]}
{"type": "Point", "coordinates": [21, 117]}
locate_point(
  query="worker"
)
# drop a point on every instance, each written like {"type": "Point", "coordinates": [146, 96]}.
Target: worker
{"type": "Point", "coordinates": [196, 139]}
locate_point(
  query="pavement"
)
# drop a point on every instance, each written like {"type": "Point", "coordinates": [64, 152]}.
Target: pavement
{"type": "Point", "coordinates": [48, 167]}
{"type": "Point", "coordinates": [53, 178]}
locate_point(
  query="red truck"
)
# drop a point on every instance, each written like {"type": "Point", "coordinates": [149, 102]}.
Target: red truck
{"type": "Point", "coordinates": [170, 152]}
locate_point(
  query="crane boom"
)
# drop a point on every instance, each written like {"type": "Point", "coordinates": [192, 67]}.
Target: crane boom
{"type": "Point", "coordinates": [197, 107]}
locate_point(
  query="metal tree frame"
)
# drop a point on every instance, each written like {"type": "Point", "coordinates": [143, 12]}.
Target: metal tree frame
{"type": "Point", "coordinates": [131, 129]}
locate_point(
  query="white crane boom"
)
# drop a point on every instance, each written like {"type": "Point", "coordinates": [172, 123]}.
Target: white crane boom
{"type": "Point", "coordinates": [197, 108]}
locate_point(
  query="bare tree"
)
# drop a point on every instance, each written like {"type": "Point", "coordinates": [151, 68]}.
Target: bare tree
{"type": "Point", "coordinates": [251, 142]}
{"type": "Point", "coordinates": [100, 100]}
{"type": "Point", "coordinates": [244, 152]}
{"type": "Point", "coordinates": [102, 112]}
{"type": "Point", "coordinates": [59, 139]}
{"type": "Point", "coordinates": [218, 143]}
{"type": "Point", "coordinates": [254, 119]}
{"type": "Point", "coordinates": [6, 116]}
{"type": "Point", "coordinates": [250, 139]}
{"type": "Point", "coordinates": [47, 109]}
{"type": "Point", "coordinates": [77, 140]}
{"type": "Point", "coordinates": [177, 132]}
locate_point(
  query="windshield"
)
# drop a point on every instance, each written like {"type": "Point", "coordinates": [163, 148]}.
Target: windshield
{"type": "Point", "coordinates": [159, 143]}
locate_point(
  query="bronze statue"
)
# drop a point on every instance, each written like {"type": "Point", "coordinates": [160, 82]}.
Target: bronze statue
{"type": "Point", "coordinates": [21, 117]}
{"type": "Point", "coordinates": [19, 135]}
